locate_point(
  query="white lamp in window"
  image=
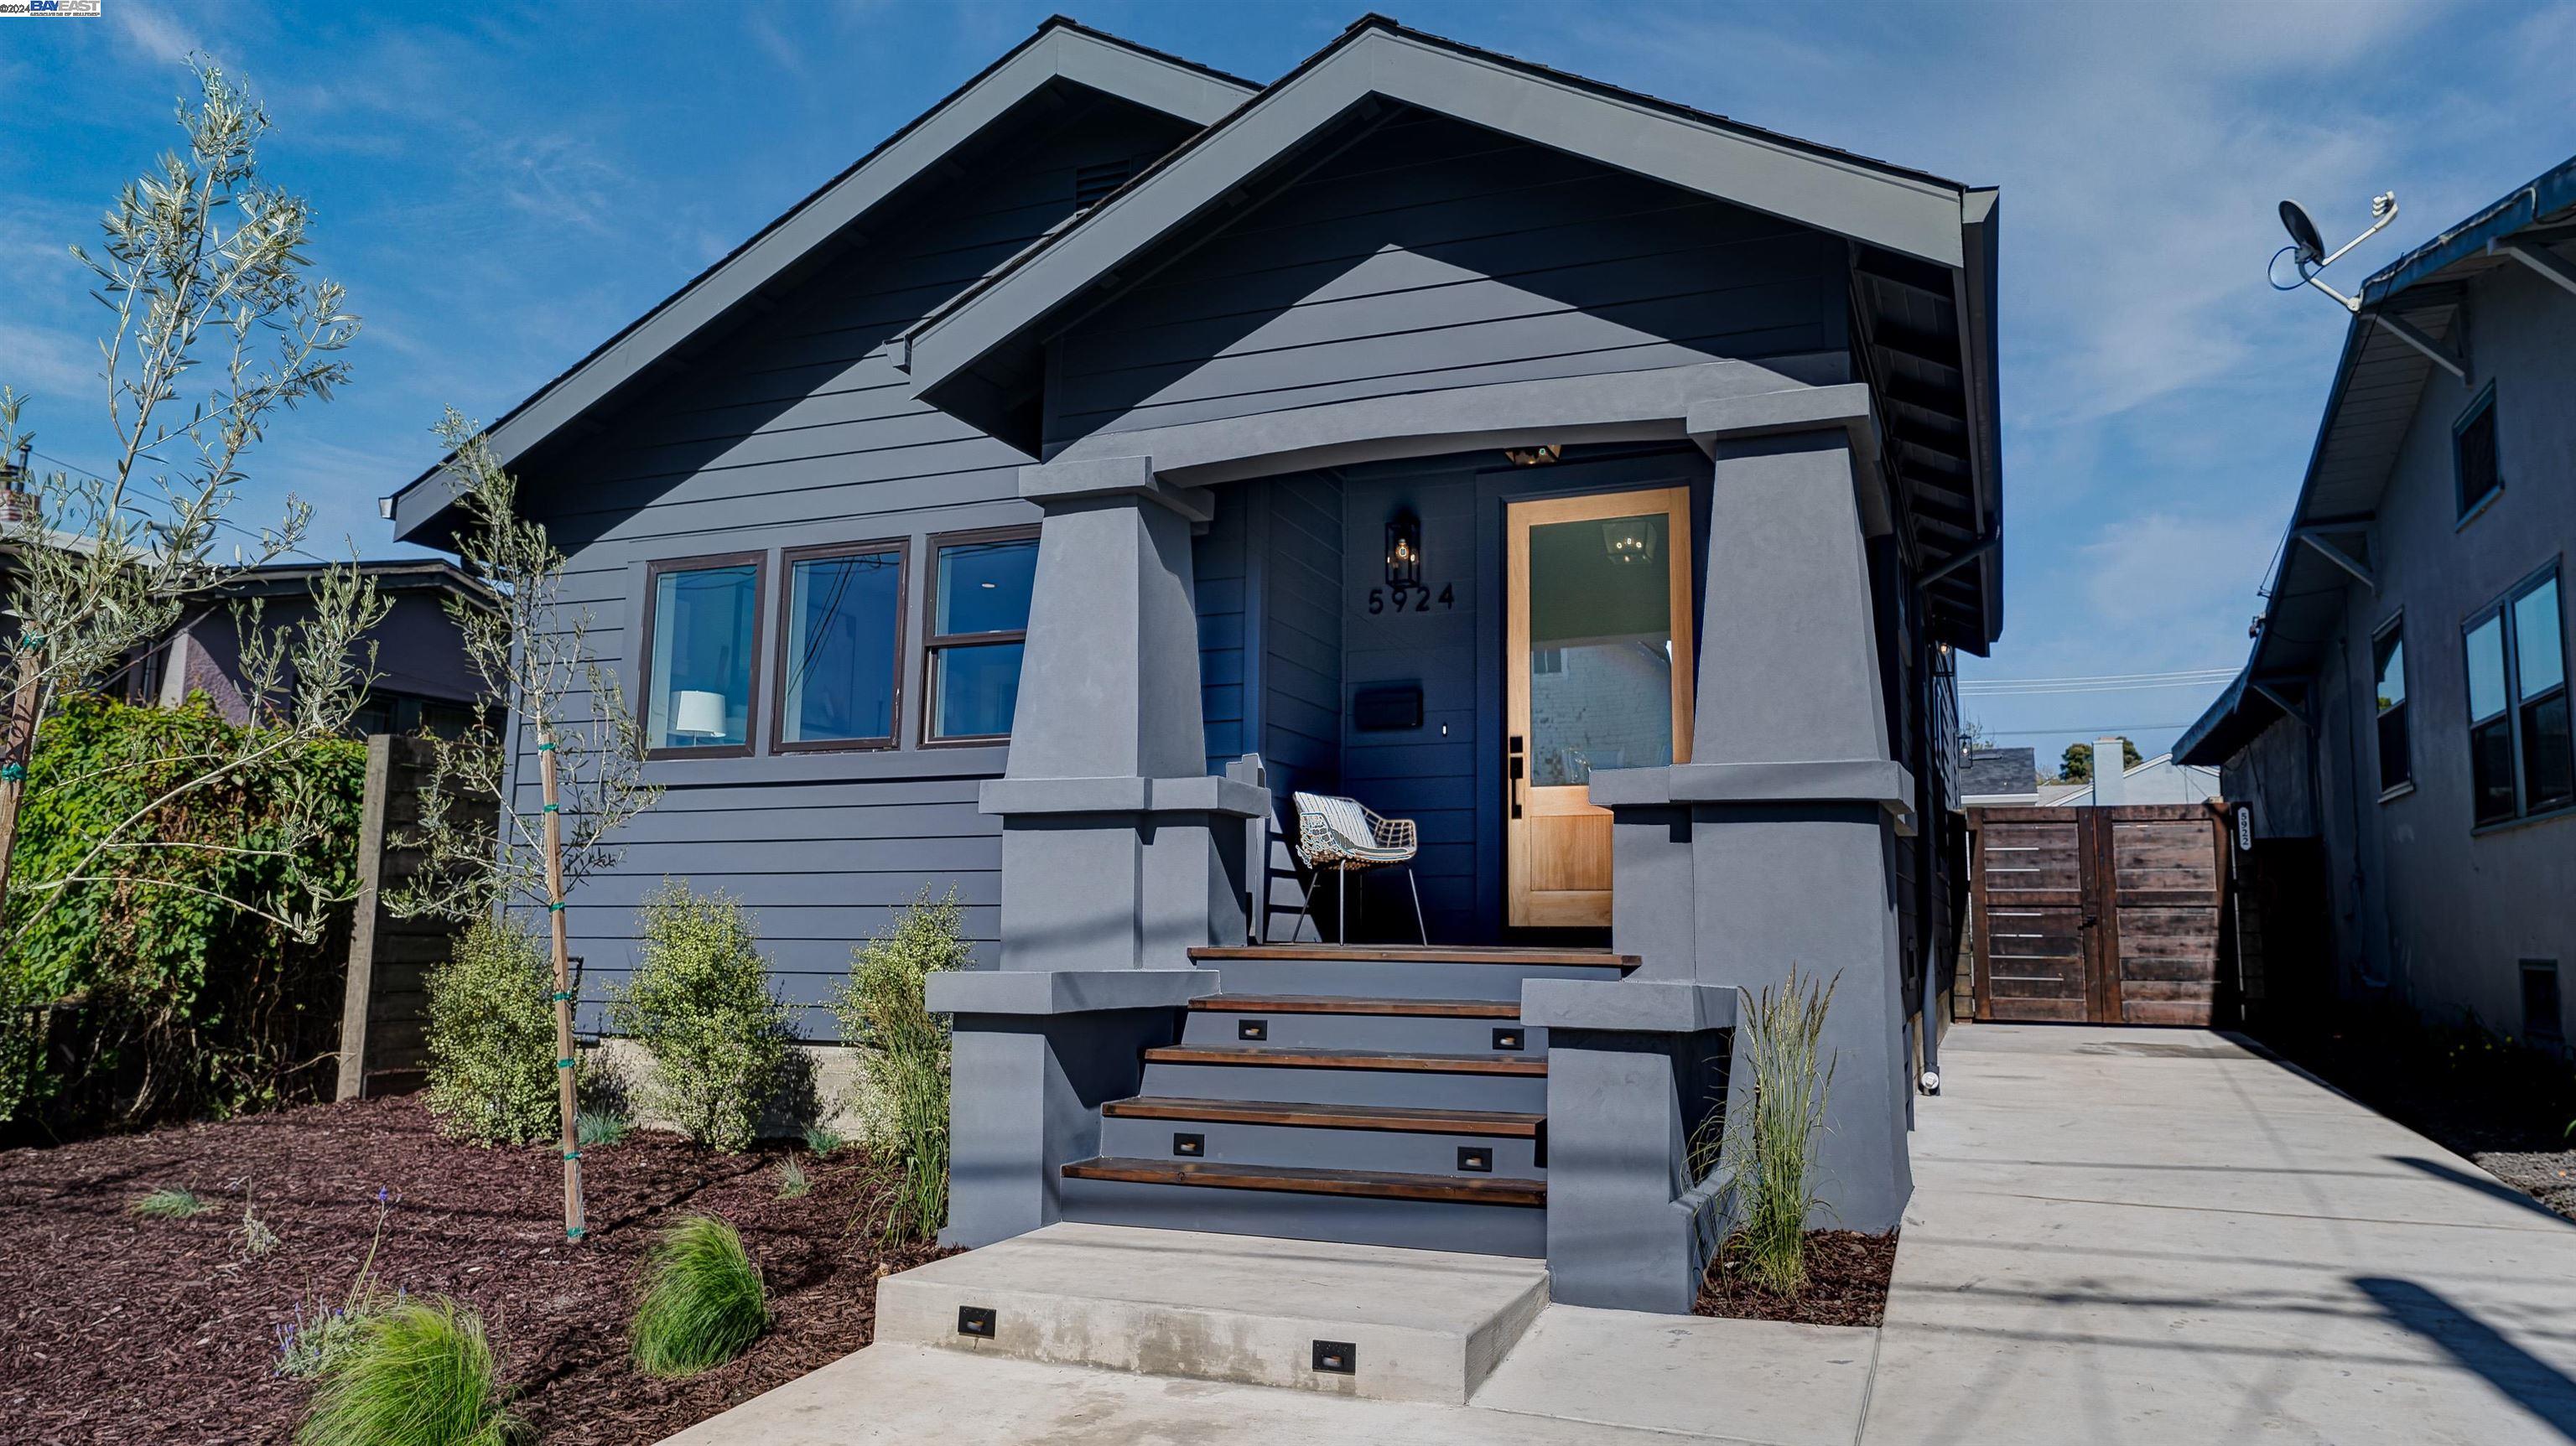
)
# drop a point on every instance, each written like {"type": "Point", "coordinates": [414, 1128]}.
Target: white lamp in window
{"type": "Point", "coordinates": [696, 714]}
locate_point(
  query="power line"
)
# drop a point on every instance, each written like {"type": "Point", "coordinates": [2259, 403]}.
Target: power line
{"type": "Point", "coordinates": [2092, 732]}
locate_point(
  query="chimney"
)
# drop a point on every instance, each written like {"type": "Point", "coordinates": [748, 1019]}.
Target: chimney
{"type": "Point", "coordinates": [2110, 764]}
{"type": "Point", "coordinates": [16, 503]}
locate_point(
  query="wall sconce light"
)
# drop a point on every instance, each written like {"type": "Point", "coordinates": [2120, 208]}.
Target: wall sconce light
{"type": "Point", "coordinates": [1534, 456]}
{"type": "Point", "coordinates": [1404, 549]}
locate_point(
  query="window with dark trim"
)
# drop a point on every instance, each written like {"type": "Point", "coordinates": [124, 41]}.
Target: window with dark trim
{"type": "Point", "coordinates": [2388, 662]}
{"type": "Point", "coordinates": [975, 621]}
{"type": "Point", "coordinates": [840, 647]}
{"type": "Point", "coordinates": [2521, 759]}
{"type": "Point", "coordinates": [2473, 452]}
{"type": "Point", "coordinates": [701, 642]}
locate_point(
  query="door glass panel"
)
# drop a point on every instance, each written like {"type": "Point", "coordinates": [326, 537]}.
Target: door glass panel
{"type": "Point", "coordinates": [1601, 647]}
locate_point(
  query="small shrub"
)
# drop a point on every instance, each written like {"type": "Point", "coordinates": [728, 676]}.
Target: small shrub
{"type": "Point", "coordinates": [492, 1038]}
{"type": "Point", "coordinates": [903, 1090]}
{"type": "Point", "coordinates": [822, 1141]}
{"type": "Point", "coordinates": [599, 1128]}
{"type": "Point", "coordinates": [257, 1238]}
{"type": "Point", "coordinates": [1782, 1044]}
{"type": "Point", "coordinates": [703, 1301]}
{"type": "Point", "coordinates": [701, 1005]}
{"type": "Point", "coordinates": [168, 1204]}
{"type": "Point", "coordinates": [793, 1183]}
{"type": "Point", "coordinates": [321, 1333]}
{"type": "Point", "coordinates": [420, 1373]}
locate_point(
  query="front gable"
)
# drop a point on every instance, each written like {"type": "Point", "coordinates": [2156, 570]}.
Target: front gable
{"type": "Point", "coordinates": [1426, 253]}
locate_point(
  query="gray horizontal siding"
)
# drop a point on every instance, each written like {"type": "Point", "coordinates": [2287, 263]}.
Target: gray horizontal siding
{"type": "Point", "coordinates": [797, 428]}
{"type": "Point", "coordinates": [1434, 254]}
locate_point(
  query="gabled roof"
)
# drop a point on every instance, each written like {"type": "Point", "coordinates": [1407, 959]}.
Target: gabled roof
{"type": "Point", "coordinates": [1924, 276]}
{"type": "Point", "coordinates": [2370, 407]}
{"type": "Point", "coordinates": [1060, 50]}
{"type": "Point", "coordinates": [1911, 213]}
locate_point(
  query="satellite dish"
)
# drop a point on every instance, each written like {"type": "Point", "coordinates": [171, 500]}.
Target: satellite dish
{"type": "Point", "coordinates": [2304, 237]}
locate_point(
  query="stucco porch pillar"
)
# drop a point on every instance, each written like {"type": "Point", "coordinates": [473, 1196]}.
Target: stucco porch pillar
{"type": "Point", "coordinates": [1119, 850]}
{"type": "Point", "coordinates": [1774, 846]}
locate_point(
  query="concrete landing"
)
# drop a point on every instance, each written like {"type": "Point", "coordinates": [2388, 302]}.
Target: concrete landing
{"type": "Point", "coordinates": [1736, 1380]}
{"type": "Point", "coordinates": [1423, 1325]}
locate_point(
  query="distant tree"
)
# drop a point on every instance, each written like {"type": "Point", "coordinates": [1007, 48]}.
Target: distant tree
{"type": "Point", "coordinates": [2076, 765]}
{"type": "Point", "coordinates": [216, 330]}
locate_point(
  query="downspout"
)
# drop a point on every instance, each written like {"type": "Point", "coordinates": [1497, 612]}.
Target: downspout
{"type": "Point", "coordinates": [1927, 833]}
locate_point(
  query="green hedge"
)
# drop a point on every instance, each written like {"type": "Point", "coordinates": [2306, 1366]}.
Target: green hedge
{"type": "Point", "coordinates": [147, 997]}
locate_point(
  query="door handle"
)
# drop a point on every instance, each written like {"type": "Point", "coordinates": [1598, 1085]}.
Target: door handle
{"type": "Point", "coordinates": [1517, 766]}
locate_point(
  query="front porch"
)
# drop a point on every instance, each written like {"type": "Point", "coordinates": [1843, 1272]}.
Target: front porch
{"type": "Point", "coordinates": [1151, 1053]}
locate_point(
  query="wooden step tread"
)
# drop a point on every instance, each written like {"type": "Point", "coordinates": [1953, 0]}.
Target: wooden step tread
{"type": "Point", "coordinates": [1496, 1124]}
{"type": "Point", "coordinates": [1334, 1004]}
{"type": "Point", "coordinates": [1411, 954]}
{"type": "Point", "coordinates": [1296, 1180]}
{"type": "Point", "coordinates": [1300, 1057]}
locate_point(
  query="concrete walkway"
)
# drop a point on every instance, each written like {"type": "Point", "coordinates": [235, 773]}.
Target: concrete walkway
{"type": "Point", "coordinates": [2158, 1236]}
{"type": "Point", "coordinates": [2117, 1236]}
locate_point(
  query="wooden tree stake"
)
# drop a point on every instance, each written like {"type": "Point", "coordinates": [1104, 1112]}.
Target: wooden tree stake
{"type": "Point", "coordinates": [568, 1094]}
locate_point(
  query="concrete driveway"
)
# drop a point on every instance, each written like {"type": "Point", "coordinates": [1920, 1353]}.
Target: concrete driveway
{"type": "Point", "coordinates": [2160, 1236]}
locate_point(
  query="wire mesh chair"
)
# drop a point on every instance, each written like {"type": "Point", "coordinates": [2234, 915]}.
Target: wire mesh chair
{"type": "Point", "coordinates": [1341, 836]}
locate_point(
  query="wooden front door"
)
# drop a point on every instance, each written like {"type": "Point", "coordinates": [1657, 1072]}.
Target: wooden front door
{"type": "Point", "coordinates": [2100, 915]}
{"type": "Point", "coordinates": [1597, 654]}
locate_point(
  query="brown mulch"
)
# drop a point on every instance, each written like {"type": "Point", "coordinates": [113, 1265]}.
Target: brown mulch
{"type": "Point", "coordinates": [1846, 1283]}
{"type": "Point", "coordinates": [114, 1328]}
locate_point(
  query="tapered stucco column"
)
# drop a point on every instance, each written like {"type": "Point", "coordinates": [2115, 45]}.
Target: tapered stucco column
{"type": "Point", "coordinates": [1773, 847]}
{"type": "Point", "coordinates": [1119, 851]}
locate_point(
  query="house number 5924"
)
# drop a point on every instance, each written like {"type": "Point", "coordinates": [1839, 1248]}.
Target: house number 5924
{"type": "Point", "coordinates": [1413, 597]}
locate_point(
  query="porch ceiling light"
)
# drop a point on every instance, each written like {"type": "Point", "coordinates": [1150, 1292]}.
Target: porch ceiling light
{"type": "Point", "coordinates": [1404, 549]}
{"type": "Point", "coordinates": [1628, 540]}
{"type": "Point", "coordinates": [1534, 456]}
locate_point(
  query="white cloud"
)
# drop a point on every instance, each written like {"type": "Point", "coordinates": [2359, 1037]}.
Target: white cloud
{"type": "Point", "coordinates": [2163, 568]}
{"type": "Point", "coordinates": [154, 31]}
{"type": "Point", "coordinates": [58, 368]}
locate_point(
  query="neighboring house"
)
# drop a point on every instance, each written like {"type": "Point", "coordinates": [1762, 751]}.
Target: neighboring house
{"type": "Point", "coordinates": [2003, 776]}
{"type": "Point", "coordinates": [2155, 780]}
{"type": "Point", "coordinates": [2406, 702]}
{"type": "Point", "coordinates": [1123, 445]}
{"type": "Point", "coordinates": [423, 679]}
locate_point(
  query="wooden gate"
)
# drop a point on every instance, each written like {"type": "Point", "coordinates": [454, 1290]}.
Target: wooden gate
{"type": "Point", "coordinates": [2101, 915]}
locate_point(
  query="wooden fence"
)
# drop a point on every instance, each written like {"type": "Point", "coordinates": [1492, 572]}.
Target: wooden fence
{"type": "Point", "coordinates": [384, 1007]}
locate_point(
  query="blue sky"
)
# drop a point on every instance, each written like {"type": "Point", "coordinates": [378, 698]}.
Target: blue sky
{"type": "Point", "coordinates": [502, 186]}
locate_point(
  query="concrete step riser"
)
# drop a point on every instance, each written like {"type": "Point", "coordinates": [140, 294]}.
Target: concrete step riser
{"type": "Point", "coordinates": [1364, 1031]}
{"type": "Point", "coordinates": [1347, 1087]}
{"type": "Point", "coordinates": [1403, 980]}
{"type": "Point", "coordinates": [1239, 1144]}
{"type": "Point", "coordinates": [1410, 1224]}
{"type": "Point", "coordinates": [1221, 1307]}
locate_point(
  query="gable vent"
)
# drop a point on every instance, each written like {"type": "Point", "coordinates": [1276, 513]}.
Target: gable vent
{"type": "Point", "coordinates": [1092, 183]}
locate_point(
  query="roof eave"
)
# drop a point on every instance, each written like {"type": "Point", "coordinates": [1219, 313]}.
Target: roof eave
{"type": "Point", "coordinates": [1060, 49]}
{"type": "Point", "coordinates": [1900, 210]}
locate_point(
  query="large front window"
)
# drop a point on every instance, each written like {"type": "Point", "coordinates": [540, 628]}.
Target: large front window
{"type": "Point", "coordinates": [702, 623]}
{"type": "Point", "coordinates": [979, 619]}
{"type": "Point", "coordinates": [840, 647]}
